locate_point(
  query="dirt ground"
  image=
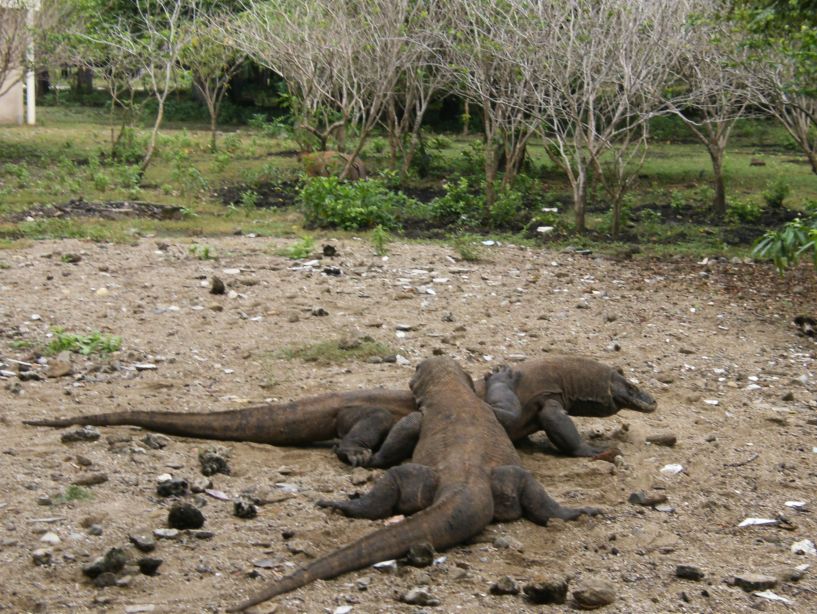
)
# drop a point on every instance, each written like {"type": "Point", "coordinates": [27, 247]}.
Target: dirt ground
{"type": "Point", "coordinates": [712, 341]}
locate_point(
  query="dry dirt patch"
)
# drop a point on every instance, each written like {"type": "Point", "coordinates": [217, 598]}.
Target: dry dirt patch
{"type": "Point", "coordinates": [693, 334]}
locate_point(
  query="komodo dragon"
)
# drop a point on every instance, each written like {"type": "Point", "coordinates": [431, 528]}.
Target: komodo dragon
{"type": "Point", "coordinates": [464, 473]}
{"type": "Point", "coordinates": [549, 390]}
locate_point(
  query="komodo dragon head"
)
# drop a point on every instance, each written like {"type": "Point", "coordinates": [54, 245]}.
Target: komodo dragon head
{"type": "Point", "coordinates": [627, 395]}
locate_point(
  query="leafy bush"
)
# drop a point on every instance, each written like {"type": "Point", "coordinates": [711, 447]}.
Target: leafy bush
{"type": "Point", "coordinates": [776, 192]}
{"type": "Point", "coordinates": [507, 209]}
{"type": "Point", "coordinates": [741, 210]}
{"type": "Point", "coordinates": [301, 249]}
{"type": "Point", "coordinates": [380, 239]}
{"type": "Point", "coordinates": [785, 246]}
{"type": "Point", "coordinates": [377, 145]}
{"type": "Point", "coordinates": [457, 206]}
{"type": "Point", "coordinates": [130, 147]}
{"type": "Point", "coordinates": [329, 202]}
{"type": "Point", "coordinates": [468, 247]}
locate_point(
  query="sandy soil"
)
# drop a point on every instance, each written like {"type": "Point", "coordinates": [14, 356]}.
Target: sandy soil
{"type": "Point", "coordinates": [713, 342]}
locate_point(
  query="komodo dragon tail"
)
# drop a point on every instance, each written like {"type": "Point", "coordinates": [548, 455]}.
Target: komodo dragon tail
{"type": "Point", "coordinates": [436, 525]}
{"type": "Point", "coordinates": [302, 421]}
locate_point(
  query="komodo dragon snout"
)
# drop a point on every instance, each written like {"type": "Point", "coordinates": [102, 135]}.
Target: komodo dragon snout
{"type": "Point", "coordinates": [627, 395]}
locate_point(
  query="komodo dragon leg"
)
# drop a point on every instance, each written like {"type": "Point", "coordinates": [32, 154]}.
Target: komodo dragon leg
{"type": "Point", "coordinates": [562, 431]}
{"type": "Point", "coordinates": [361, 431]}
{"type": "Point", "coordinates": [517, 494]}
{"type": "Point", "coordinates": [399, 443]}
{"type": "Point", "coordinates": [500, 387]}
{"type": "Point", "coordinates": [406, 489]}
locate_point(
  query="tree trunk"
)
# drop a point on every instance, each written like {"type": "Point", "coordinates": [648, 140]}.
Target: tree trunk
{"type": "Point", "coordinates": [812, 160]}
{"type": "Point", "coordinates": [153, 137]}
{"type": "Point", "coordinates": [719, 200]}
{"type": "Point", "coordinates": [466, 117]}
{"type": "Point", "coordinates": [213, 126]}
{"type": "Point", "coordinates": [580, 200]}
{"type": "Point", "coordinates": [84, 81]}
{"type": "Point", "coordinates": [491, 168]}
{"type": "Point", "coordinates": [615, 229]}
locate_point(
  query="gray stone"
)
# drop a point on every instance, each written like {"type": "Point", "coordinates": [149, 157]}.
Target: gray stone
{"type": "Point", "coordinates": [143, 542]}
{"type": "Point", "coordinates": [419, 596]}
{"type": "Point", "coordinates": [751, 582]}
{"type": "Point", "coordinates": [594, 593]}
{"type": "Point", "coordinates": [505, 586]}
{"type": "Point", "coordinates": [689, 572]}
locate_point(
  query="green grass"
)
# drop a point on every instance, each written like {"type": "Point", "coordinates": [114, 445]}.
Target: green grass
{"type": "Point", "coordinates": [93, 343]}
{"type": "Point", "coordinates": [67, 156]}
{"type": "Point", "coordinates": [73, 493]}
{"type": "Point", "coordinates": [336, 351]}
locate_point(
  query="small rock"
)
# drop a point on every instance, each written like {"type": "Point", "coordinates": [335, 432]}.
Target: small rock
{"type": "Point", "coordinates": [44, 500]}
{"type": "Point", "coordinates": [319, 312]}
{"type": "Point", "coordinates": [42, 557]}
{"type": "Point", "coordinates": [362, 584]}
{"type": "Point", "coordinates": [419, 596]}
{"type": "Point", "coordinates": [201, 484]}
{"type": "Point", "coordinates": [175, 487]}
{"type": "Point", "coordinates": [50, 538]}
{"type": "Point", "coordinates": [505, 586]}
{"type": "Point", "coordinates": [594, 593]}
{"type": "Point", "coordinates": [104, 579]}
{"type": "Point", "coordinates": [300, 547]}
{"type": "Point", "coordinates": [154, 441]}
{"type": "Point", "coordinates": [185, 516]}
{"type": "Point", "coordinates": [86, 433]}
{"type": "Point", "coordinates": [166, 533]}
{"type": "Point", "coordinates": [95, 530]}
{"type": "Point", "coordinates": [662, 439]}
{"type": "Point", "coordinates": [754, 582]}
{"type": "Point", "coordinates": [330, 251]}
{"type": "Point", "coordinates": [689, 572]}
{"type": "Point", "coordinates": [648, 500]}
{"type": "Point", "coordinates": [139, 608]}
{"type": "Point", "coordinates": [505, 541]}
{"type": "Point", "coordinates": [112, 563]}
{"type": "Point", "coordinates": [217, 285]}
{"type": "Point", "coordinates": [244, 508]}
{"type": "Point", "coordinates": [804, 546]}
{"type": "Point", "coordinates": [143, 542]}
{"type": "Point", "coordinates": [149, 566]}
{"type": "Point", "coordinates": [420, 555]}
{"type": "Point", "coordinates": [202, 534]}
{"type": "Point", "coordinates": [58, 368]}
{"type": "Point", "coordinates": [547, 590]}
{"type": "Point", "coordinates": [332, 271]}
{"type": "Point", "coordinates": [214, 460]}
{"type": "Point", "coordinates": [789, 396]}
{"type": "Point", "coordinates": [91, 480]}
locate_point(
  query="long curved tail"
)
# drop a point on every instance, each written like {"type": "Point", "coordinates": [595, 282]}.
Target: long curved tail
{"type": "Point", "coordinates": [450, 520]}
{"type": "Point", "coordinates": [302, 421]}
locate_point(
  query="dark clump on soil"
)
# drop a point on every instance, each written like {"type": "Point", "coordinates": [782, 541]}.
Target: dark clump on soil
{"type": "Point", "coordinates": [110, 210]}
{"type": "Point", "coordinates": [268, 195]}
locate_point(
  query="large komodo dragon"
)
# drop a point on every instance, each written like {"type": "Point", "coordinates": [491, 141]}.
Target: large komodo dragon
{"type": "Point", "coordinates": [549, 390]}
{"type": "Point", "coordinates": [464, 473]}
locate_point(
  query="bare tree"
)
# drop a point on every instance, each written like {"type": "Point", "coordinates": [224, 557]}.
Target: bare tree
{"type": "Point", "coordinates": [716, 93]}
{"type": "Point", "coordinates": [600, 76]}
{"type": "Point", "coordinates": [774, 87]}
{"type": "Point", "coordinates": [152, 45]}
{"type": "Point", "coordinates": [213, 61]}
{"type": "Point", "coordinates": [14, 37]}
{"type": "Point", "coordinates": [486, 45]}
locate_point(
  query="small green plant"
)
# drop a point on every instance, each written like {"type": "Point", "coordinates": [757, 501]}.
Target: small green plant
{"type": "Point", "coordinates": [377, 145]}
{"type": "Point", "coordinates": [439, 142]}
{"type": "Point", "coordinates": [203, 252]}
{"type": "Point", "coordinates": [231, 143]}
{"type": "Point", "coordinates": [743, 210]}
{"type": "Point", "coordinates": [184, 173]}
{"type": "Point", "coordinates": [21, 344]}
{"type": "Point", "coordinates": [380, 240]}
{"type": "Point", "coordinates": [249, 199]}
{"type": "Point", "coordinates": [776, 192]}
{"type": "Point", "coordinates": [220, 161]}
{"type": "Point", "coordinates": [101, 181]}
{"type": "Point", "coordinates": [337, 351]}
{"type": "Point", "coordinates": [468, 247]}
{"type": "Point", "coordinates": [93, 343]}
{"type": "Point", "coordinates": [303, 248]}
{"type": "Point", "coordinates": [72, 493]}
{"type": "Point", "coordinates": [678, 200]}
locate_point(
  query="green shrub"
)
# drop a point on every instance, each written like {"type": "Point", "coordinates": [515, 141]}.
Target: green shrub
{"type": "Point", "coordinates": [743, 210]}
{"type": "Point", "coordinates": [249, 199]}
{"type": "Point", "coordinates": [776, 192]}
{"type": "Point", "coordinates": [380, 239]}
{"type": "Point", "coordinates": [329, 202]}
{"type": "Point", "coordinates": [507, 209]}
{"type": "Point", "coordinates": [301, 249]}
{"type": "Point", "coordinates": [377, 145]}
{"type": "Point", "coordinates": [468, 247]}
{"type": "Point", "coordinates": [202, 252]}
{"type": "Point", "coordinates": [101, 181]}
{"type": "Point", "coordinates": [458, 205]}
